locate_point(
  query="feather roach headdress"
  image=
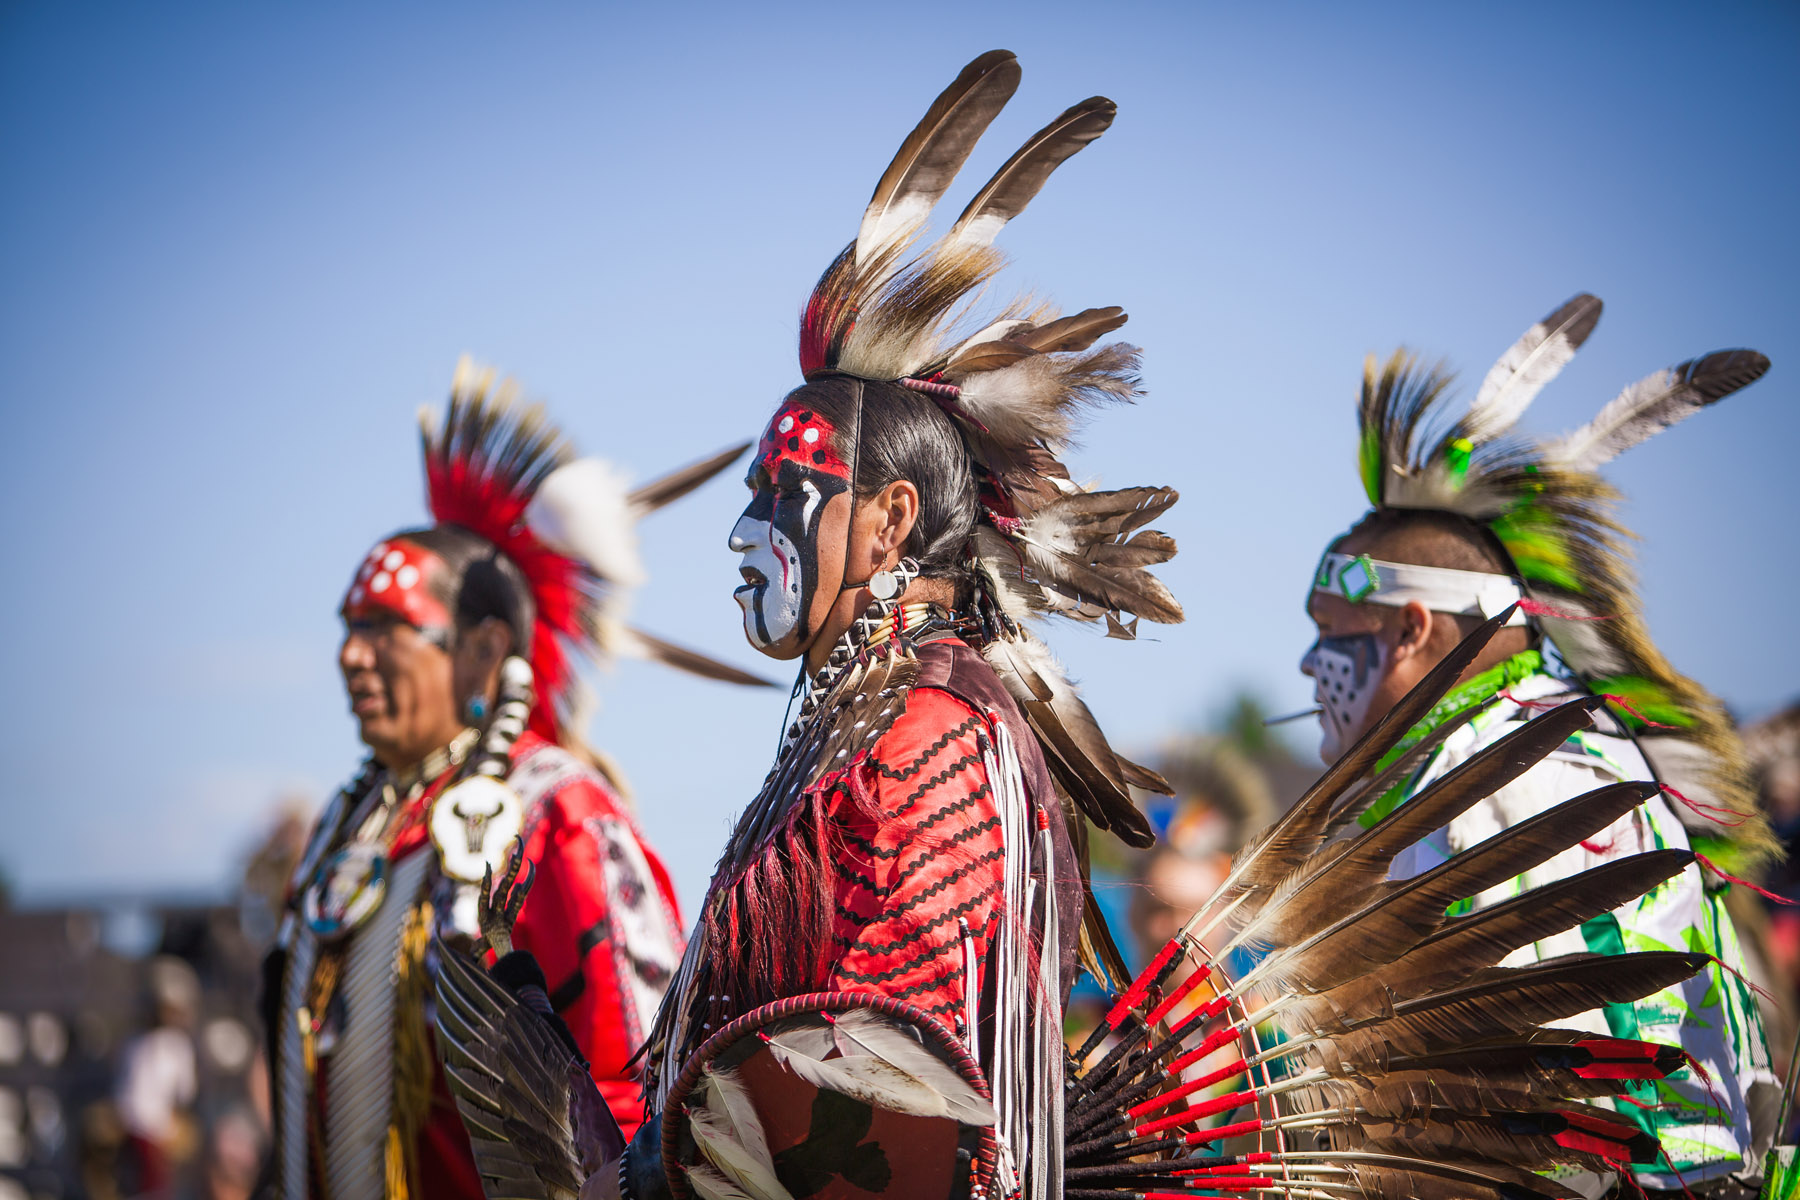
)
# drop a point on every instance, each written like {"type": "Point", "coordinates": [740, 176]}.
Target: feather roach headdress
{"type": "Point", "coordinates": [502, 471]}
{"type": "Point", "coordinates": [1546, 504]}
{"type": "Point", "coordinates": [1014, 383]}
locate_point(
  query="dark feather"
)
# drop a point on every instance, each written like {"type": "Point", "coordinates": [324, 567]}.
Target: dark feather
{"type": "Point", "coordinates": [1021, 177]}
{"type": "Point", "coordinates": [1357, 800]}
{"type": "Point", "coordinates": [535, 1115]}
{"type": "Point", "coordinates": [1140, 776]}
{"type": "Point", "coordinates": [1366, 859]}
{"type": "Point", "coordinates": [988, 356]}
{"type": "Point", "coordinates": [692, 661]}
{"type": "Point", "coordinates": [676, 484]}
{"type": "Point", "coordinates": [932, 154]}
{"type": "Point", "coordinates": [1070, 334]}
{"type": "Point", "coordinates": [1406, 912]}
{"type": "Point", "coordinates": [1504, 1002]}
{"type": "Point", "coordinates": [1656, 402]}
{"type": "Point", "coordinates": [1084, 764]}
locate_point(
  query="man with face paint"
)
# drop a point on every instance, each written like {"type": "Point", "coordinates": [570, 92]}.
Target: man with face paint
{"type": "Point", "coordinates": [795, 479]}
{"type": "Point", "coordinates": [455, 661]}
{"type": "Point", "coordinates": [908, 863]}
{"type": "Point", "coordinates": [1479, 519]}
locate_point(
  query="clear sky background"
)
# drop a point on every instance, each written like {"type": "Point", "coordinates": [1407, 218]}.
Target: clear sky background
{"type": "Point", "coordinates": [241, 244]}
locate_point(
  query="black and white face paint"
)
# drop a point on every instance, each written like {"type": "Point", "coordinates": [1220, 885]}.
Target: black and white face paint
{"type": "Point", "coordinates": [795, 475]}
{"type": "Point", "coordinates": [1345, 671]}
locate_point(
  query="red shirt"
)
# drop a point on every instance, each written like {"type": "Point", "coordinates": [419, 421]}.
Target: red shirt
{"type": "Point", "coordinates": [602, 921]}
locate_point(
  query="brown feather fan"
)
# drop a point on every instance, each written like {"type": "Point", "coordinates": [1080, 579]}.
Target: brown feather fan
{"type": "Point", "coordinates": [1430, 1070]}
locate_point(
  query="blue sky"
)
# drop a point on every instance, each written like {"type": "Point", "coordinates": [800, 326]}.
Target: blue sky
{"type": "Point", "coordinates": [241, 244]}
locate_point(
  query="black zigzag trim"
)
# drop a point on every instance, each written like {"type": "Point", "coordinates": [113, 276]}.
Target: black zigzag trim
{"type": "Point", "coordinates": [900, 969]}
{"type": "Point", "coordinates": [942, 814]}
{"type": "Point", "coordinates": [852, 876]}
{"type": "Point", "coordinates": [962, 872]}
{"type": "Point", "coordinates": [945, 1009]}
{"type": "Point", "coordinates": [952, 809]}
{"type": "Point", "coordinates": [870, 848]}
{"type": "Point", "coordinates": [943, 776]}
{"type": "Point", "coordinates": [943, 918]}
{"type": "Point", "coordinates": [931, 855]}
{"type": "Point", "coordinates": [931, 752]}
{"type": "Point", "coordinates": [909, 990]}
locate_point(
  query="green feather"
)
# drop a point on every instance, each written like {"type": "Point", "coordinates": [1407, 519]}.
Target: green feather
{"type": "Point", "coordinates": [1649, 702]}
{"type": "Point", "coordinates": [1532, 537]}
{"type": "Point", "coordinates": [1369, 461]}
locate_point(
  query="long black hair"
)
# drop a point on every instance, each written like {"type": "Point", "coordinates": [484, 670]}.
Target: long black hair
{"type": "Point", "coordinates": [903, 434]}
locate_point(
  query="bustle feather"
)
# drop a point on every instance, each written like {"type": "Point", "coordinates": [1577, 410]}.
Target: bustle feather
{"type": "Point", "coordinates": [1430, 1070]}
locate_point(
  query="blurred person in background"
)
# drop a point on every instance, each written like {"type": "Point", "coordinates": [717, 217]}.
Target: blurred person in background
{"type": "Point", "coordinates": [456, 659]}
{"type": "Point", "coordinates": [1469, 519]}
{"type": "Point", "coordinates": [159, 1079]}
{"type": "Point", "coordinates": [1223, 796]}
{"type": "Point", "coordinates": [1772, 930]}
{"type": "Point", "coordinates": [234, 1149]}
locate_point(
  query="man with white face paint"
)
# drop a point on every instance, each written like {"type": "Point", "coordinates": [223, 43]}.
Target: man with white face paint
{"type": "Point", "coordinates": [795, 474]}
{"type": "Point", "coordinates": [1461, 530]}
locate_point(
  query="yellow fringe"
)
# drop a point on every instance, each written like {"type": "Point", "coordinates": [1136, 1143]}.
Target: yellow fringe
{"type": "Point", "coordinates": [396, 1165]}
{"type": "Point", "coordinates": [413, 1059]}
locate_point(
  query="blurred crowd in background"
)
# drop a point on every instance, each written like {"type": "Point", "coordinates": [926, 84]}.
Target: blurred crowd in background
{"type": "Point", "coordinates": [132, 1061]}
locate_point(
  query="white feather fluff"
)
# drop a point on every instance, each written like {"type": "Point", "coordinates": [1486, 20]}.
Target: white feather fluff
{"type": "Point", "coordinates": [1023, 403]}
{"type": "Point", "coordinates": [1533, 361]}
{"type": "Point", "coordinates": [581, 510]}
{"type": "Point", "coordinates": [1649, 406]}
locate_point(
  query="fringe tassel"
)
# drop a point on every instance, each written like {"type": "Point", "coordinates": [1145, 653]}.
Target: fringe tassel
{"type": "Point", "coordinates": [1537, 608]}
{"type": "Point", "coordinates": [414, 1061]}
{"type": "Point", "coordinates": [1710, 812]}
{"type": "Point", "coordinates": [1728, 877]}
{"type": "Point", "coordinates": [1027, 1067]}
{"type": "Point", "coordinates": [396, 1165]}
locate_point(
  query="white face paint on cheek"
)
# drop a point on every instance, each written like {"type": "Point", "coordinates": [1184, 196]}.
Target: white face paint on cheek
{"type": "Point", "coordinates": [1346, 672]}
{"type": "Point", "coordinates": [771, 606]}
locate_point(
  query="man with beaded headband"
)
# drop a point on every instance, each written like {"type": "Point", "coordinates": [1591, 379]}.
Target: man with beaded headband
{"type": "Point", "coordinates": [871, 1004]}
{"type": "Point", "coordinates": [457, 661]}
{"type": "Point", "coordinates": [1471, 517]}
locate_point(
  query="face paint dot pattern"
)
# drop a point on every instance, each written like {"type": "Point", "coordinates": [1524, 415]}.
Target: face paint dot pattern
{"type": "Point", "coordinates": [803, 437]}
{"type": "Point", "coordinates": [393, 581]}
{"type": "Point", "coordinates": [1345, 671]}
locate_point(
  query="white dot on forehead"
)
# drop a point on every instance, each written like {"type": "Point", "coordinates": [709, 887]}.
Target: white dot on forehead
{"type": "Point", "coordinates": [394, 559]}
{"type": "Point", "coordinates": [787, 423]}
{"type": "Point", "coordinates": [379, 584]}
{"type": "Point", "coordinates": [407, 576]}
{"type": "Point", "coordinates": [811, 435]}
{"type": "Point", "coordinates": [356, 594]}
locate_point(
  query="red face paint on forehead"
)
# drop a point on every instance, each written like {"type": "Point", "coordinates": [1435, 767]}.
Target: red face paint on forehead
{"type": "Point", "coordinates": [800, 435]}
{"type": "Point", "coordinates": [395, 581]}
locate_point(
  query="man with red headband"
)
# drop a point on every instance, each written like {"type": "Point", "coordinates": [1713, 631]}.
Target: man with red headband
{"type": "Point", "coordinates": [456, 659]}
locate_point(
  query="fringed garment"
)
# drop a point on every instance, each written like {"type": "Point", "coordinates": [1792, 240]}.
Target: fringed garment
{"type": "Point", "coordinates": [362, 1110]}
{"type": "Point", "coordinates": [907, 843]}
